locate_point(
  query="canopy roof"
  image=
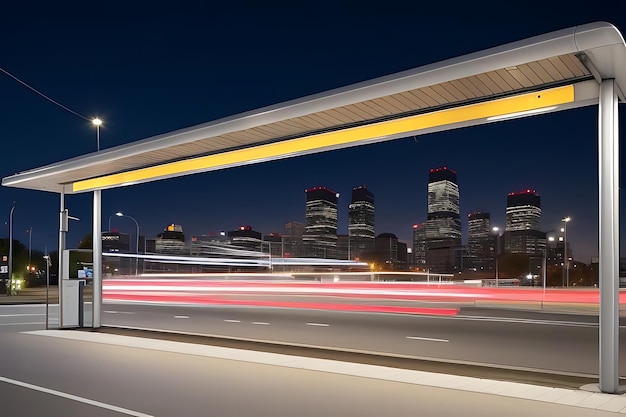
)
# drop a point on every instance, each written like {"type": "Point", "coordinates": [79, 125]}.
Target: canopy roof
{"type": "Point", "coordinates": [550, 72]}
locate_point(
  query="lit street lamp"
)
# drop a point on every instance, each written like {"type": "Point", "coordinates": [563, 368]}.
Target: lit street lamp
{"type": "Point", "coordinates": [120, 214]}
{"type": "Point", "coordinates": [565, 220]}
{"type": "Point", "coordinates": [97, 122]}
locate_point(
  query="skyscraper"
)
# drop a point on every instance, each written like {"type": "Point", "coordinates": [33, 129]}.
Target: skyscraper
{"type": "Point", "coordinates": [443, 227]}
{"type": "Point", "coordinates": [320, 235]}
{"type": "Point", "coordinates": [523, 215]}
{"type": "Point", "coordinates": [419, 246]}
{"type": "Point", "coordinates": [361, 222]}
{"type": "Point", "coordinates": [480, 240]}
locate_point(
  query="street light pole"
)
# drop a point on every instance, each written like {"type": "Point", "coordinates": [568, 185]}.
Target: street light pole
{"type": "Point", "coordinates": [120, 214]}
{"type": "Point", "coordinates": [565, 220]}
{"type": "Point", "coordinates": [97, 122]}
{"type": "Point", "coordinates": [30, 235]}
{"type": "Point", "coordinates": [10, 283]}
{"type": "Point", "coordinates": [496, 231]}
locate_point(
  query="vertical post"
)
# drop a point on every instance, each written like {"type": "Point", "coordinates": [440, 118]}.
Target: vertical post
{"type": "Point", "coordinates": [97, 260]}
{"type": "Point", "coordinates": [62, 231]}
{"type": "Point", "coordinates": [608, 164]}
{"type": "Point", "coordinates": [10, 266]}
{"type": "Point", "coordinates": [566, 257]}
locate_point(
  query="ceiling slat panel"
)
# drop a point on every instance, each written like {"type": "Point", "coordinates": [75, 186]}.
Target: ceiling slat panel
{"type": "Point", "coordinates": [443, 93]}
{"type": "Point", "coordinates": [562, 67]}
{"type": "Point", "coordinates": [425, 98]}
{"type": "Point", "coordinates": [575, 65]}
{"type": "Point", "coordinates": [530, 74]}
{"type": "Point", "coordinates": [481, 89]}
{"type": "Point", "coordinates": [337, 117]}
{"type": "Point", "coordinates": [497, 79]}
{"type": "Point", "coordinates": [467, 88]}
{"type": "Point", "coordinates": [407, 101]}
{"type": "Point", "coordinates": [509, 79]}
{"type": "Point", "coordinates": [541, 72]}
{"type": "Point", "coordinates": [348, 116]}
{"type": "Point", "coordinates": [367, 111]}
{"type": "Point", "coordinates": [488, 82]}
{"type": "Point", "coordinates": [520, 77]}
{"type": "Point", "coordinates": [398, 105]}
{"type": "Point", "coordinates": [418, 102]}
{"type": "Point", "coordinates": [378, 108]}
{"type": "Point", "coordinates": [434, 95]}
{"type": "Point", "coordinates": [549, 67]}
{"type": "Point", "coordinates": [458, 94]}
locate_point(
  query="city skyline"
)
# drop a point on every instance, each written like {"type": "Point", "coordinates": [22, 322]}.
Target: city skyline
{"type": "Point", "coordinates": [149, 79]}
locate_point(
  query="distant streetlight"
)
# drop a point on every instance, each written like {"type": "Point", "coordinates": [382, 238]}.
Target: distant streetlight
{"type": "Point", "coordinates": [30, 235]}
{"type": "Point", "coordinates": [120, 214]}
{"type": "Point", "coordinates": [97, 122]}
{"type": "Point", "coordinates": [10, 270]}
{"type": "Point", "coordinates": [565, 220]}
{"type": "Point", "coordinates": [496, 232]}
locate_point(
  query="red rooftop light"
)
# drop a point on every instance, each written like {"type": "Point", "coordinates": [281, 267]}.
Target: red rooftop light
{"type": "Point", "coordinates": [444, 168]}
{"type": "Point", "coordinates": [526, 191]}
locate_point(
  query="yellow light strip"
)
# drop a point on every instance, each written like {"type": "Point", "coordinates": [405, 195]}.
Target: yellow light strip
{"type": "Point", "coordinates": [499, 107]}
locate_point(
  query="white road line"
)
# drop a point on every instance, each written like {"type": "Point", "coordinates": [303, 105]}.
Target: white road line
{"type": "Point", "coordinates": [118, 312]}
{"type": "Point", "coordinates": [260, 322]}
{"type": "Point", "coordinates": [427, 339]}
{"type": "Point", "coordinates": [318, 324]}
{"type": "Point", "coordinates": [75, 398]}
{"type": "Point", "coordinates": [181, 317]}
{"type": "Point", "coordinates": [232, 321]}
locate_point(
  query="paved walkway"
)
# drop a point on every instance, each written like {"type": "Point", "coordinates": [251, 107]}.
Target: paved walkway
{"type": "Point", "coordinates": [588, 397]}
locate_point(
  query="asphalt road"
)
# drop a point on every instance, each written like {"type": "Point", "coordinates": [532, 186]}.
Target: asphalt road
{"type": "Point", "coordinates": [499, 338]}
{"type": "Point", "coordinates": [57, 377]}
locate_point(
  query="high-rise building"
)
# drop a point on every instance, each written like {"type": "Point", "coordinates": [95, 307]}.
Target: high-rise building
{"type": "Point", "coordinates": [292, 239]}
{"type": "Point", "coordinates": [522, 231]}
{"type": "Point", "coordinates": [480, 240]}
{"type": "Point", "coordinates": [320, 235]}
{"type": "Point", "coordinates": [361, 222]}
{"type": "Point", "coordinates": [443, 227]}
{"type": "Point", "coordinates": [171, 240]}
{"type": "Point", "coordinates": [419, 246]}
{"type": "Point", "coordinates": [245, 237]}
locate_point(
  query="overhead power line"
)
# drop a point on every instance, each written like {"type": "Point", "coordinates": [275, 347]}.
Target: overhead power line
{"type": "Point", "coordinates": [43, 95]}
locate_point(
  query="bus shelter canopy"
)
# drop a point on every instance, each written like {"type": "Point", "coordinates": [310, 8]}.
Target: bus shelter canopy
{"type": "Point", "coordinates": [551, 72]}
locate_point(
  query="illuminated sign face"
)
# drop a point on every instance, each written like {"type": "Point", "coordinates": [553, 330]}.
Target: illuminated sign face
{"type": "Point", "coordinates": [170, 228]}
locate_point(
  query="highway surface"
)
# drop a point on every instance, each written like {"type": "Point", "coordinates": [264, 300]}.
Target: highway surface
{"type": "Point", "coordinates": [563, 343]}
{"type": "Point", "coordinates": [54, 374]}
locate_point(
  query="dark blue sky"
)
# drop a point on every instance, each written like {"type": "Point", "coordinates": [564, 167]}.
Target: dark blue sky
{"type": "Point", "coordinates": [147, 70]}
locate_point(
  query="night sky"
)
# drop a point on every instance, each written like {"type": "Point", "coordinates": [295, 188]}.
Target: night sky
{"type": "Point", "coordinates": [147, 70]}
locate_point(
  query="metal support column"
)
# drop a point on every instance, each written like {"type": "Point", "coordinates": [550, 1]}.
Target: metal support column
{"type": "Point", "coordinates": [608, 146]}
{"type": "Point", "coordinates": [97, 260]}
{"type": "Point", "coordinates": [62, 232]}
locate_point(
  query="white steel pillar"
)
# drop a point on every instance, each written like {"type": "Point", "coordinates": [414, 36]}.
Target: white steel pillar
{"type": "Point", "coordinates": [96, 314]}
{"type": "Point", "coordinates": [62, 232]}
{"type": "Point", "coordinates": [608, 164]}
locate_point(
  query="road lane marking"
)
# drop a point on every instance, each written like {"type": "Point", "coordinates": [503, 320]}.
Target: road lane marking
{"type": "Point", "coordinates": [181, 317]}
{"type": "Point", "coordinates": [261, 323]}
{"type": "Point", "coordinates": [118, 312]}
{"type": "Point", "coordinates": [75, 398]}
{"type": "Point", "coordinates": [427, 339]}
{"type": "Point", "coordinates": [318, 324]}
{"type": "Point", "coordinates": [232, 321]}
